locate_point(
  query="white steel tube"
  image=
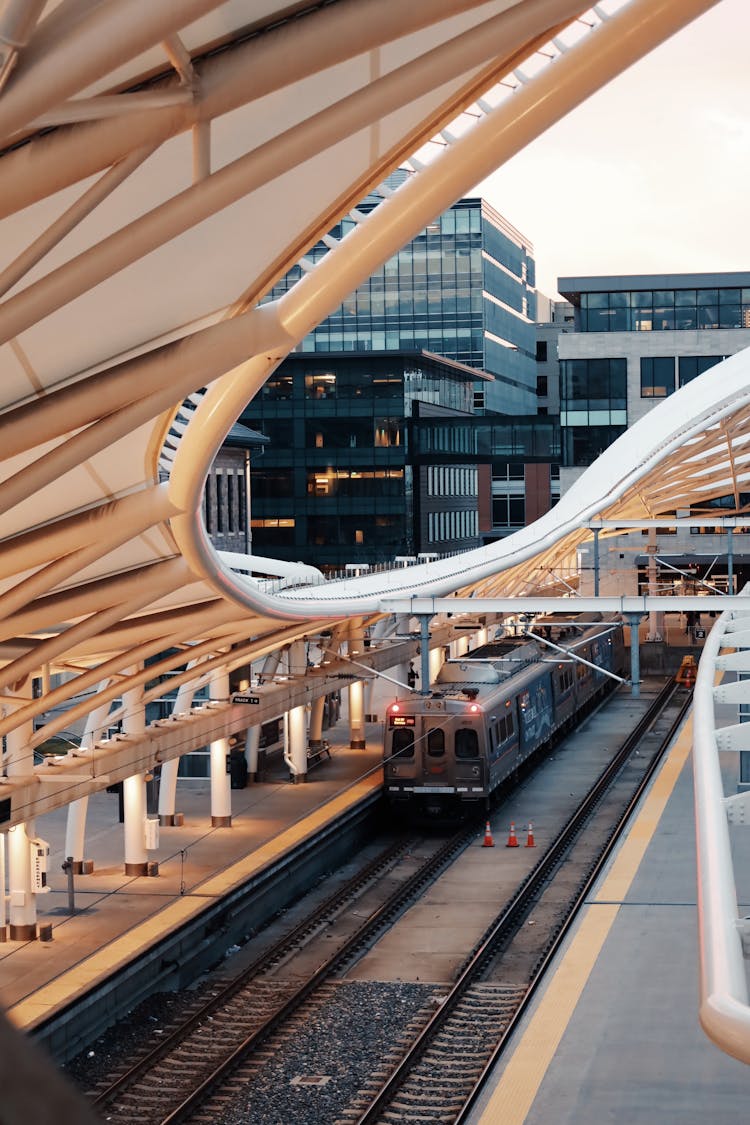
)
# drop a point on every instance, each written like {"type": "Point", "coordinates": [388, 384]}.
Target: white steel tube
{"type": "Point", "coordinates": [134, 788]}
{"type": "Point", "coordinates": [724, 1010]}
{"type": "Point", "coordinates": [221, 794]}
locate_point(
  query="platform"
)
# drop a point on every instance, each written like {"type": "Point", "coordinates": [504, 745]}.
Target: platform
{"type": "Point", "coordinates": [614, 1035]}
{"type": "Point", "coordinates": [118, 917]}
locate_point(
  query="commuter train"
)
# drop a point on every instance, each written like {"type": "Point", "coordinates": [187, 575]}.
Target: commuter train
{"type": "Point", "coordinates": [489, 711]}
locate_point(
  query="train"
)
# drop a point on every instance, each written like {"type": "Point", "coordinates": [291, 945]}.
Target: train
{"type": "Point", "coordinates": [447, 751]}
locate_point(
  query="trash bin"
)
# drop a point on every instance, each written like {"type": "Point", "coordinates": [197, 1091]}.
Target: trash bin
{"type": "Point", "coordinates": [237, 769]}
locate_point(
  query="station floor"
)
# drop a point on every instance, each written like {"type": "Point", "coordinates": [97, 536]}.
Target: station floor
{"type": "Point", "coordinates": [117, 916]}
{"type": "Point", "coordinates": [614, 1034]}
{"type": "Point", "coordinates": [612, 1038]}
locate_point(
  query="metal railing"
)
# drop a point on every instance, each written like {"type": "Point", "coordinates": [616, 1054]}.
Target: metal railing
{"type": "Point", "coordinates": [724, 1010]}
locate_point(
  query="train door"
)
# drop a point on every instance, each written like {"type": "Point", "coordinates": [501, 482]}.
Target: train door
{"type": "Point", "coordinates": [434, 761]}
{"type": "Point", "coordinates": [468, 761]}
{"type": "Point", "coordinates": [400, 748]}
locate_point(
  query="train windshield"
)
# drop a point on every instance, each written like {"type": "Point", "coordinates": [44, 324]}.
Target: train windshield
{"type": "Point", "coordinates": [403, 743]}
{"type": "Point", "coordinates": [467, 743]}
{"type": "Point", "coordinates": [436, 743]}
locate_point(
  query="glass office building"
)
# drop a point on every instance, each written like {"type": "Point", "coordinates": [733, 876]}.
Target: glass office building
{"type": "Point", "coordinates": [464, 288]}
{"type": "Point", "coordinates": [337, 483]}
{"type": "Point", "coordinates": [637, 339]}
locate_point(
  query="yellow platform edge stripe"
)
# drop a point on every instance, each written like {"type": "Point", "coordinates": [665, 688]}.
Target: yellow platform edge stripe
{"type": "Point", "coordinates": [519, 1083]}
{"type": "Point", "coordinates": [120, 951]}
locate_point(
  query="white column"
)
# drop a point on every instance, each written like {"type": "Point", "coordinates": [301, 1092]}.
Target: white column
{"type": "Point", "coordinates": [315, 736]}
{"type": "Point", "coordinates": [297, 750]}
{"type": "Point", "coordinates": [168, 777]}
{"type": "Point", "coordinates": [357, 715]}
{"type": "Point", "coordinates": [437, 659]}
{"type": "Point", "coordinates": [221, 782]}
{"type": "Point", "coordinates": [20, 760]}
{"type": "Point", "coordinates": [134, 788]}
{"type": "Point", "coordinates": [75, 826]}
{"type": "Point", "coordinates": [252, 738]}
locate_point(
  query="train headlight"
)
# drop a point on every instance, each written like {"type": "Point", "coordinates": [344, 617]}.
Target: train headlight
{"type": "Point", "coordinates": [473, 707]}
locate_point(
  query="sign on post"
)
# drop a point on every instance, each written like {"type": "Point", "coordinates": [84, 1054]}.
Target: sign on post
{"type": "Point", "coordinates": [245, 699]}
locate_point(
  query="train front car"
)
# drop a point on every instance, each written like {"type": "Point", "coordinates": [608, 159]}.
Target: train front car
{"type": "Point", "coordinates": [445, 752]}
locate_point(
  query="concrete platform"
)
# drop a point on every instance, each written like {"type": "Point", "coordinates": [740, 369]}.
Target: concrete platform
{"type": "Point", "coordinates": [117, 917]}
{"type": "Point", "coordinates": [614, 1035]}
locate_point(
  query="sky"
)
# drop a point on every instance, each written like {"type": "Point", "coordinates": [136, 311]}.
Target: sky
{"type": "Point", "coordinates": [652, 173]}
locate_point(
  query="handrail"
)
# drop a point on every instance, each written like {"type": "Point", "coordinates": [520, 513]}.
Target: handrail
{"type": "Point", "coordinates": [724, 1011]}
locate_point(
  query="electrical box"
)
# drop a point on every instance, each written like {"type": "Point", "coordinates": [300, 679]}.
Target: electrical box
{"type": "Point", "coordinates": [39, 859]}
{"type": "Point", "coordinates": [151, 833]}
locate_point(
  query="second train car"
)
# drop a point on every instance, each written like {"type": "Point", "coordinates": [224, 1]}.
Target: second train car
{"type": "Point", "coordinates": [489, 711]}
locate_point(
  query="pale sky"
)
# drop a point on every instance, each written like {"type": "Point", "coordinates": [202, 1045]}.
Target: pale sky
{"type": "Point", "coordinates": [652, 174]}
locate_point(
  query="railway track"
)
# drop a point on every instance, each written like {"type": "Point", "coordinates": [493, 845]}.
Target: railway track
{"type": "Point", "coordinates": [442, 1073]}
{"type": "Point", "coordinates": [432, 1069]}
{"type": "Point", "coordinates": [201, 1054]}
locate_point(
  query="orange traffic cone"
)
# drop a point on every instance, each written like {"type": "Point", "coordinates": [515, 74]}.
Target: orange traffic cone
{"type": "Point", "coordinates": [530, 836]}
{"type": "Point", "coordinates": [488, 842]}
{"type": "Point", "coordinates": [512, 841]}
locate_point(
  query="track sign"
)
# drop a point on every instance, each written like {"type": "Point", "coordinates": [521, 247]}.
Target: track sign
{"type": "Point", "coordinates": [246, 699]}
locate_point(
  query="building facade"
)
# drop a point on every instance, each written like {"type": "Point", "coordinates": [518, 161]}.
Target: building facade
{"type": "Point", "coordinates": [635, 341]}
{"type": "Point", "coordinates": [464, 288]}
{"type": "Point", "coordinates": [338, 484]}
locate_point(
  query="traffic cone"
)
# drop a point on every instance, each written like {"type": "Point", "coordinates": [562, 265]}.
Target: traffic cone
{"type": "Point", "coordinates": [530, 836]}
{"type": "Point", "coordinates": [512, 841]}
{"type": "Point", "coordinates": [488, 842]}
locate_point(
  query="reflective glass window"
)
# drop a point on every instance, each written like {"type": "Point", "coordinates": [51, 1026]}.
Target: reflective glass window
{"type": "Point", "coordinates": [436, 743]}
{"type": "Point", "coordinates": [657, 376]}
{"type": "Point", "coordinates": [402, 743]}
{"type": "Point", "coordinates": [466, 743]}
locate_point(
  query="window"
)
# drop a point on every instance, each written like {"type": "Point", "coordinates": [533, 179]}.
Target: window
{"type": "Point", "coordinates": [657, 376]}
{"type": "Point", "coordinates": [435, 743]}
{"type": "Point", "coordinates": [541, 351]}
{"type": "Point", "coordinates": [691, 366]}
{"type": "Point", "coordinates": [467, 743]}
{"type": "Point", "coordinates": [541, 386]}
{"type": "Point", "coordinates": [403, 743]}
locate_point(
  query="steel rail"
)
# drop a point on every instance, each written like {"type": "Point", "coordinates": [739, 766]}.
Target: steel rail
{"type": "Point", "coordinates": [497, 931]}
{"type": "Point", "coordinates": [724, 1011]}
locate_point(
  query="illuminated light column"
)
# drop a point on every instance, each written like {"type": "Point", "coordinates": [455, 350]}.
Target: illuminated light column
{"type": "Point", "coordinates": [75, 826]}
{"type": "Point", "coordinates": [296, 756]}
{"type": "Point", "coordinates": [355, 646]}
{"type": "Point", "coordinates": [20, 760]}
{"type": "Point", "coordinates": [357, 739]}
{"type": "Point", "coordinates": [134, 788]}
{"type": "Point", "coordinates": [168, 818]}
{"type": "Point", "coordinates": [437, 659]}
{"type": "Point", "coordinates": [221, 782]}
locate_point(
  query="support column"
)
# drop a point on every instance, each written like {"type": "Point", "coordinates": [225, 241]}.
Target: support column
{"type": "Point", "coordinates": [221, 782]}
{"type": "Point", "coordinates": [296, 753]}
{"type": "Point", "coordinates": [730, 560]}
{"type": "Point", "coordinates": [424, 649]}
{"type": "Point", "coordinates": [315, 736]}
{"type": "Point", "coordinates": [437, 658]}
{"type": "Point", "coordinates": [252, 738]}
{"type": "Point", "coordinates": [22, 912]}
{"type": "Point", "coordinates": [20, 760]}
{"type": "Point", "coordinates": [357, 739]}
{"type": "Point", "coordinates": [168, 818]}
{"type": "Point", "coordinates": [635, 655]}
{"type": "Point", "coordinates": [596, 562]}
{"type": "Point", "coordinates": [134, 788]}
{"type": "Point", "coordinates": [75, 826]}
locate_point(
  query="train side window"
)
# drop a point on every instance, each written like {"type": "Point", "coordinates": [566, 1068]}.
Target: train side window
{"type": "Point", "coordinates": [467, 743]}
{"type": "Point", "coordinates": [403, 743]}
{"type": "Point", "coordinates": [436, 743]}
